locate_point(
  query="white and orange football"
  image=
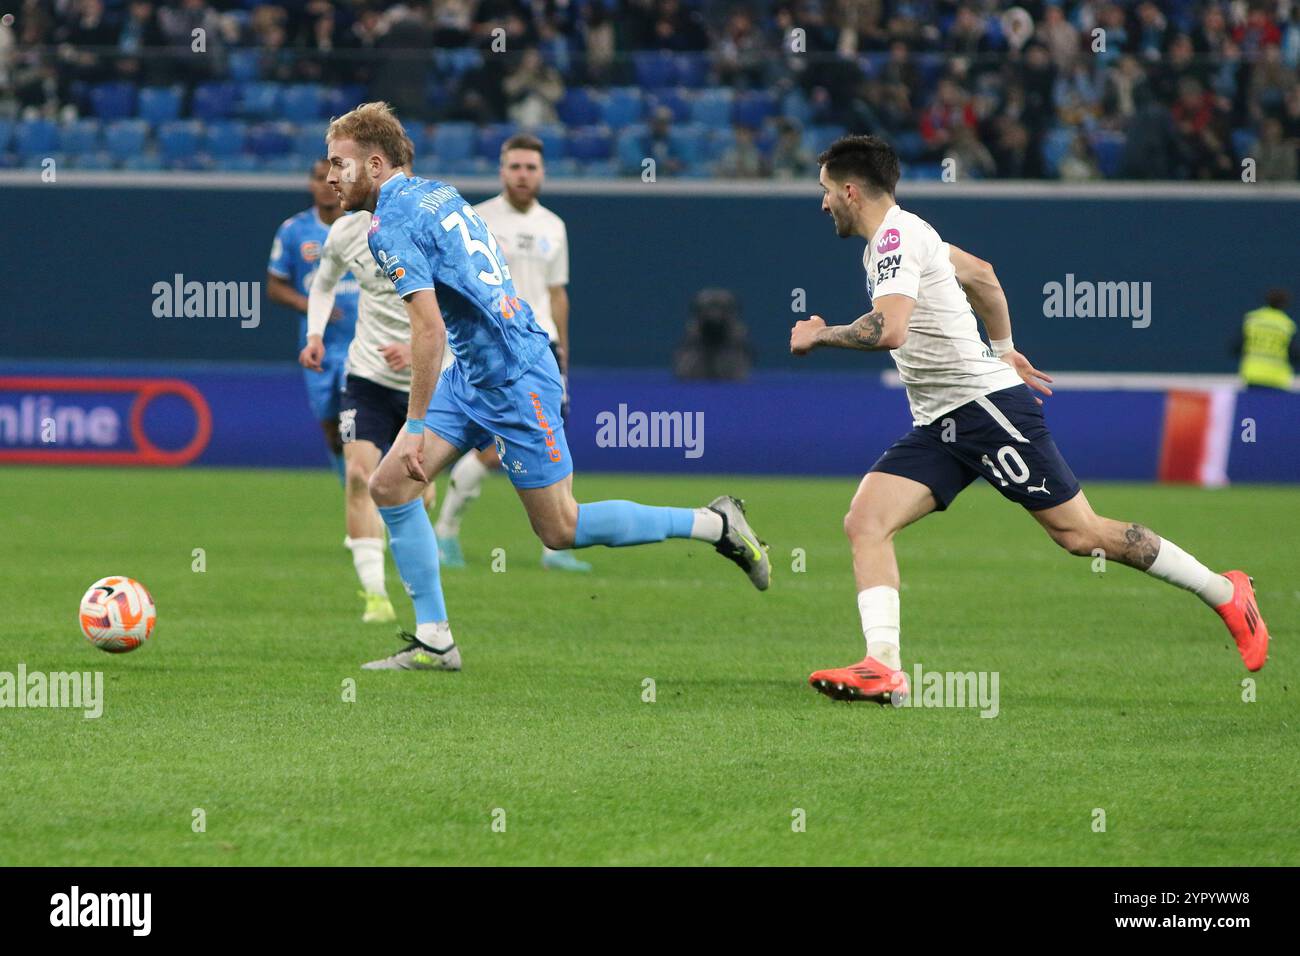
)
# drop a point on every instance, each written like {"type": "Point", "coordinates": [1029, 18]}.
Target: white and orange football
{"type": "Point", "coordinates": [117, 614]}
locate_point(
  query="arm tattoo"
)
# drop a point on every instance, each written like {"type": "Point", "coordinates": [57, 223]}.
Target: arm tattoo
{"type": "Point", "coordinates": [1140, 547]}
{"type": "Point", "coordinates": [863, 333]}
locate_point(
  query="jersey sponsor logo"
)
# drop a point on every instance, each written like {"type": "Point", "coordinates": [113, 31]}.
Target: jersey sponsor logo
{"type": "Point", "coordinates": [887, 268]}
{"type": "Point", "coordinates": [552, 450]}
{"type": "Point", "coordinates": [309, 250]}
{"type": "Point", "coordinates": [890, 241]}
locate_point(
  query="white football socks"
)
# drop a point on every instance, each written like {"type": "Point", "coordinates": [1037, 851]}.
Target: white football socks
{"type": "Point", "coordinates": [434, 634]}
{"type": "Point", "coordinates": [465, 485]}
{"type": "Point", "coordinates": [879, 609]}
{"type": "Point", "coordinates": [368, 559]}
{"type": "Point", "coordinates": [1176, 566]}
{"type": "Point", "coordinates": [707, 525]}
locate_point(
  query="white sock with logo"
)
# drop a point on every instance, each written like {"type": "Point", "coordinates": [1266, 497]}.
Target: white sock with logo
{"type": "Point", "coordinates": [368, 559]}
{"type": "Point", "coordinates": [1177, 567]}
{"type": "Point", "coordinates": [465, 485]}
{"type": "Point", "coordinates": [879, 609]}
{"type": "Point", "coordinates": [706, 525]}
{"type": "Point", "coordinates": [434, 634]}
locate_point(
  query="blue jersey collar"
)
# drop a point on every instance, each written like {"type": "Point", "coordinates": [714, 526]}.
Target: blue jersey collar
{"type": "Point", "coordinates": [397, 177]}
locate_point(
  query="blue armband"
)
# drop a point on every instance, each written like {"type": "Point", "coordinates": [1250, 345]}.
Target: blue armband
{"type": "Point", "coordinates": [415, 426]}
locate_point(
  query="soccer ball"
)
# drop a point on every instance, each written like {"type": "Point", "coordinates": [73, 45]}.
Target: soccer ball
{"type": "Point", "coordinates": [117, 614]}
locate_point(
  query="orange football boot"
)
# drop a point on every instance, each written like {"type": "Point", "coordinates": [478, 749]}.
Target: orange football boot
{"type": "Point", "coordinates": [1244, 621]}
{"type": "Point", "coordinates": [868, 679]}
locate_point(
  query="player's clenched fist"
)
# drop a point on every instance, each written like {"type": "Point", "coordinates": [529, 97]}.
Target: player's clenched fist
{"type": "Point", "coordinates": [312, 353]}
{"type": "Point", "coordinates": [397, 355]}
{"type": "Point", "coordinates": [803, 337]}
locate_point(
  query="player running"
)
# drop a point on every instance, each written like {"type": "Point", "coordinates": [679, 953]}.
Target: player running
{"type": "Point", "coordinates": [537, 244]}
{"type": "Point", "coordinates": [373, 405]}
{"type": "Point", "coordinates": [974, 416]}
{"type": "Point", "coordinates": [294, 255]}
{"type": "Point", "coordinates": [504, 386]}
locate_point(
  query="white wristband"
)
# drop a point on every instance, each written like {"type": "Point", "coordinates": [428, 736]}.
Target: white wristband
{"type": "Point", "coordinates": [1001, 346]}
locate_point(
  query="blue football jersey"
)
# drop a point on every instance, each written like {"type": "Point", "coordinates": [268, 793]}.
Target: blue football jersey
{"type": "Point", "coordinates": [295, 254]}
{"type": "Point", "coordinates": [425, 235]}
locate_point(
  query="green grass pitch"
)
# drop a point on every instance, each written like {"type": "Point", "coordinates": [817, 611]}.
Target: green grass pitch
{"type": "Point", "coordinates": [1117, 692]}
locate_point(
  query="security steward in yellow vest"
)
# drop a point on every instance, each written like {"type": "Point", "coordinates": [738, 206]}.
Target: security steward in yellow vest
{"type": "Point", "coordinates": [1267, 344]}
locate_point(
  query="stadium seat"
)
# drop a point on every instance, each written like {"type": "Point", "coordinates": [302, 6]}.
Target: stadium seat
{"type": "Point", "coordinates": [754, 108]}
{"type": "Point", "coordinates": [6, 134]}
{"type": "Point", "coordinates": [1108, 145]}
{"type": "Point", "coordinates": [1056, 144]}
{"type": "Point", "coordinates": [93, 161]}
{"type": "Point", "coordinates": [160, 104]}
{"type": "Point", "coordinates": [338, 100]}
{"type": "Point", "coordinates": [820, 138]}
{"type": "Point", "coordinates": [555, 141]}
{"type": "Point", "coordinates": [243, 163]}
{"type": "Point", "coordinates": [689, 142]}
{"type": "Point", "coordinates": [421, 136]}
{"type": "Point", "coordinates": [260, 100]}
{"type": "Point", "coordinates": [453, 142]}
{"type": "Point", "coordinates": [794, 105]}
{"type": "Point", "coordinates": [629, 149]}
{"type": "Point", "coordinates": [281, 164]}
{"type": "Point", "coordinates": [456, 61]}
{"type": "Point", "coordinates": [309, 141]}
{"type": "Point", "coordinates": [590, 143]}
{"type": "Point", "coordinates": [622, 107]}
{"type": "Point", "coordinates": [245, 65]}
{"type": "Point", "coordinates": [909, 144]}
{"type": "Point", "coordinates": [224, 139]}
{"type": "Point", "coordinates": [178, 143]}
{"type": "Point", "coordinates": [491, 138]}
{"type": "Point", "coordinates": [712, 108]}
{"type": "Point", "coordinates": [113, 101]}
{"type": "Point", "coordinates": [269, 140]}
{"type": "Point", "coordinates": [655, 70]}
{"type": "Point", "coordinates": [1243, 142]}
{"type": "Point", "coordinates": [301, 102]}
{"type": "Point", "coordinates": [79, 136]}
{"type": "Point", "coordinates": [563, 169]}
{"type": "Point", "coordinates": [126, 138]}
{"type": "Point", "coordinates": [36, 138]}
{"type": "Point", "coordinates": [214, 101]}
{"type": "Point", "coordinates": [674, 100]}
{"type": "Point", "coordinates": [143, 162]}
{"type": "Point", "coordinates": [601, 168]}
{"type": "Point", "coordinates": [692, 70]}
{"type": "Point", "coordinates": [578, 108]}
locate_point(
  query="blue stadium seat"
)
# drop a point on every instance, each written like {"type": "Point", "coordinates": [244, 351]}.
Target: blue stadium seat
{"type": "Point", "coordinates": [601, 168]}
{"type": "Point", "coordinates": [563, 168]}
{"type": "Point", "coordinates": [1055, 146]}
{"type": "Point", "coordinates": [1243, 141]}
{"type": "Point", "coordinates": [281, 164]}
{"type": "Point", "coordinates": [178, 143]}
{"type": "Point", "coordinates": [629, 149]}
{"type": "Point", "coordinates": [589, 143]}
{"type": "Point", "coordinates": [555, 142]}
{"type": "Point", "coordinates": [674, 100]}
{"type": "Point", "coordinates": [309, 141]}
{"type": "Point", "coordinates": [795, 106]}
{"type": "Point", "coordinates": [909, 144]}
{"type": "Point", "coordinates": [457, 60]}
{"type": "Point", "coordinates": [491, 138]}
{"type": "Point", "coordinates": [260, 101]}
{"type": "Point", "coordinates": [143, 162]}
{"type": "Point", "coordinates": [713, 108]}
{"type": "Point", "coordinates": [301, 102]}
{"type": "Point", "coordinates": [655, 71]}
{"type": "Point", "coordinates": [160, 104]}
{"type": "Point", "coordinates": [689, 141]}
{"type": "Point", "coordinates": [453, 142]}
{"type": "Point", "coordinates": [269, 140]}
{"type": "Point", "coordinates": [214, 101]}
{"type": "Point", "coordinates": [126, 138]}
{"type": "Point", "coordinates": [473, 166]}
{"type": "Point", "coordinates": [225, 139]}
{"type": "Point", "coordinates": [1108, 145]}
{"type": "Point", "coordinates": [37, 138]}
{"type": "Point", "coordinates": [578, 107]}
{"type": "Point", "coordinates": [421, 137]}
{"type": "Point", "coordinates": [113, 101]}
{"type": "Point", "coordinates": [96, 161]}
{"type": "Point", "coordinates": [79, 137]}
{"type": "Point", "coordinates": [6, 134]}
{"type": "Point", "coordinates": [243, 163]}
{"type": "Point", "coordinates": [622, 107]}
{"type": "Point", "coordinates": [754, 108]}
{"type": "Point", "coordinates": [338, 100]}
{"type": "Point", "coordinates": [819, 138]}
{"type": "Point", "coordinates": [692, 70]}
{"type": "Point", "coordinates": [715, 142]}
{"type": "Point", "coordinates": [245, 65]}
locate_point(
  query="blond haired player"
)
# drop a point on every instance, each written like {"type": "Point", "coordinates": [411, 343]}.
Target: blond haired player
{"type": "Point", "coordinates": [377, 382]}
{"type": "Point", "coordinates": [974, 417]}
{"type": "Point", "coordinates": [536, 242]}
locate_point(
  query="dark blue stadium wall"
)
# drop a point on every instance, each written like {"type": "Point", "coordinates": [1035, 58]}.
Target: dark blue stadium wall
{"type": "Point", "coordinates": [84, 261]}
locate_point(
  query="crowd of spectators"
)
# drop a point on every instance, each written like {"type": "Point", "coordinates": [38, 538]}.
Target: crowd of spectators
{"type": "Point", "coordinates": [1190, 88]}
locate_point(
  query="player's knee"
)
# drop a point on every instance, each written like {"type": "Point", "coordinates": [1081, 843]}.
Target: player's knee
{"type": "Point", "coordinates": [384, 491]}
{"type": "Point", "coordinates": [1078, 541]}
{"type": "Point", "coordinates": [862, 524]}
{"type": "Point", "coordinates": [558, 530]}
{"type": "Point", "coordinates": [358, 479]}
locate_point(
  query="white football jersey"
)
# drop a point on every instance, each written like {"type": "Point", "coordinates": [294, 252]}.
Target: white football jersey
{"type": "Point", "coordinates": [381, 314]}
{"type": "Point", "coordinates": [944, 363]}
{"type": "Point", "coordinates": [536, 245]}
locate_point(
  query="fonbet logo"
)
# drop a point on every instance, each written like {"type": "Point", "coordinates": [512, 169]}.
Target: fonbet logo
{"type": "Point", "coordinates": [103, 909]}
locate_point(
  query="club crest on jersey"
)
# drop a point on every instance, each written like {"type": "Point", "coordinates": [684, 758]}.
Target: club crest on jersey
{"type": "Point", "coordinates": [890, 241]}
{"type": "Point", "coordinates": [374, 225]}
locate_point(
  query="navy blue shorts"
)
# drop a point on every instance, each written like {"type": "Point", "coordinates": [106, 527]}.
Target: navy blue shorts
{"type": "Point", "coordinates": [371, 412]}
{"type": "Point", "coordinates": [1000, 437]}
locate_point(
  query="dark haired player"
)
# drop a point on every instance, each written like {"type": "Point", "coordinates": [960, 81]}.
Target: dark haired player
{"type": "Point", "coordinates": [974, 415]}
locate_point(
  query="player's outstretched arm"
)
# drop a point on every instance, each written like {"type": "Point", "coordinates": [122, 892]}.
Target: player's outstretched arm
{"type": "Point", "coordinates": [884, 327]}
{"type": "Point", "coordinates": [320, 308]}
{"type": "Point", "coordinates": [281, 291]}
